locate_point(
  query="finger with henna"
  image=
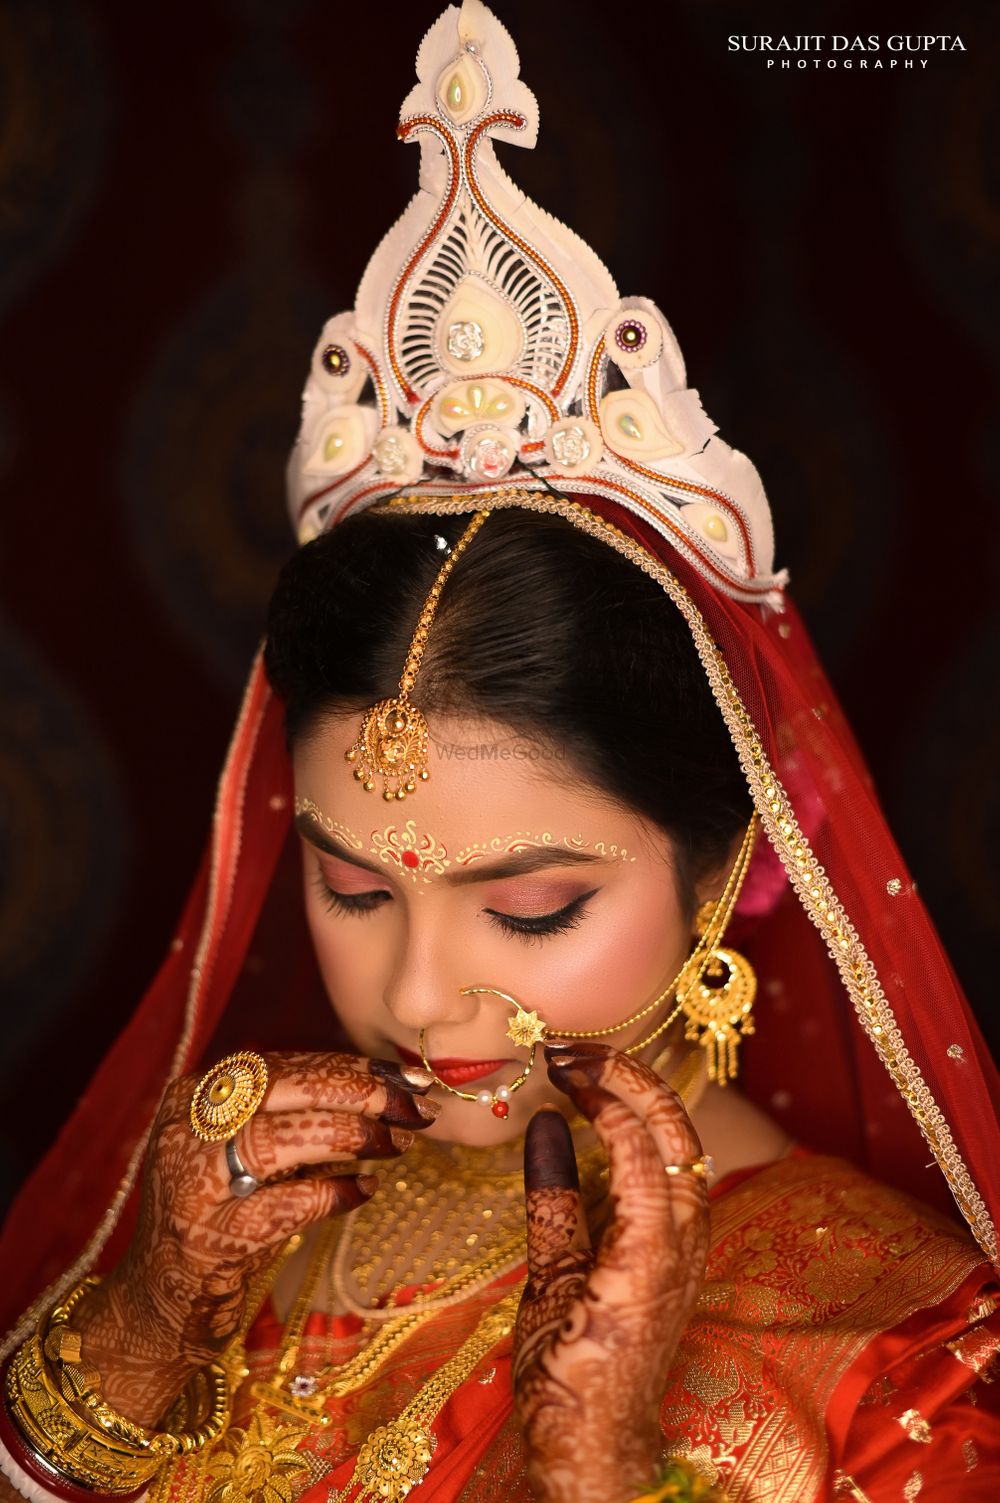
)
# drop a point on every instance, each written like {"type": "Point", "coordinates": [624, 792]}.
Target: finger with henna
{"type": "Point", "coordinates": [273, 1143]}
{"type": "Point", "coordinates": [412, 1078]}
{"type": "Point", "coordinates": [555, 1219]}
{"type": "Point", "coordinates": [644, 1198]}
{"type": "Point", "coordinates": [657, 1107]}
{"type": "Point", "coordinates": [275, 1212]}
{"type": "Point", "coordinates": [344, 1082]}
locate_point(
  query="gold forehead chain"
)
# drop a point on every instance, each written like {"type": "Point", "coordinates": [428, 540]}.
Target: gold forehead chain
{"type": "Point", "coordinates": [393, 740]}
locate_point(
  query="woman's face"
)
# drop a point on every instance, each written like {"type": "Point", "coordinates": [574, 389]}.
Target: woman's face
{"type": "Point", "coordinates": [505, 870]}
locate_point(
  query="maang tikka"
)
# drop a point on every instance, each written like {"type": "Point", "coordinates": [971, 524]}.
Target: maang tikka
{"type": "Point", "coordinates": [393, 741]}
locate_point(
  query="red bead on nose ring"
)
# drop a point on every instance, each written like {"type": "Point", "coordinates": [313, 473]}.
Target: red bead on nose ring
{"type": "Point", "coordinates": [525, 1029]}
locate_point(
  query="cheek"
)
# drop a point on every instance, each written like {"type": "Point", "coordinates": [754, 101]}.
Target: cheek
{"type": "Point", "coordinates": [350, 968]}
{"type": "Point", "coordinates": [623, 954]}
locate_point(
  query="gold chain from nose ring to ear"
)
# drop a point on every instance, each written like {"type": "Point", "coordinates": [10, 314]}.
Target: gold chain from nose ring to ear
{"type": "Point", "coordinates": [696, 963]}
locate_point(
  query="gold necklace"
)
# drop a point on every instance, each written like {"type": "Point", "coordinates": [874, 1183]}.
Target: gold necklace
{"type": "Point", "coordinates": [266, 1450]}
{"type": "Point", "coordinates": [455, 1206]}
{"type": "Point", "coordinates": [358, 1371]}
{"type": "Point", "coordinates": [297, 1393]}
{"type": "Point", "coordinates": [396, 1456]}
{"type": "Point", "coordinates": [504, 1251]}
{"type": "Point", "coordinates": [262, 1459]}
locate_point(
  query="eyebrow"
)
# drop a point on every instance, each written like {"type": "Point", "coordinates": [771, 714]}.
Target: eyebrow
{"type": "Point", "coordinates": [528, 858]}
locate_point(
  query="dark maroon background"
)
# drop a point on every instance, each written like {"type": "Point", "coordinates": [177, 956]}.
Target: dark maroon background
{"type": "Point", "coordinates": [188, 189]}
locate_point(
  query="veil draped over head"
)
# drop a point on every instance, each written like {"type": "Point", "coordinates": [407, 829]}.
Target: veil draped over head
{"type": "Point", "coordinates": [489, 363]}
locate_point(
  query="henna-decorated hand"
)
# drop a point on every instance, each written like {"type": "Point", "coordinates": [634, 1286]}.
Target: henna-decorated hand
{"type": "Point", "coordinates": [597, 1329]}
{"type": "Point", "coordinates": [178, 1295]}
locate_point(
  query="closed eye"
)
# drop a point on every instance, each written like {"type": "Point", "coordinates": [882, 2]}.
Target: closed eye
{"type": "Point", "coordinates": [524, 926]}
{"type": "Point", "coordinates": [540, 925]}
{"type": "Point", "coordinates": [350, 902]}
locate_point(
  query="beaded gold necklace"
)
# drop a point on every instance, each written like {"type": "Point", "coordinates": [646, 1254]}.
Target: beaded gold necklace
{"type": "Point", "coordinates": [456, 1222]}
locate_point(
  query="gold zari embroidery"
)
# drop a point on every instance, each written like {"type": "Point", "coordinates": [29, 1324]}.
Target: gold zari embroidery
{"type": "Point", "coordinates": [780, 1322]}
{"type": "Point", "coordinates": [915, 1426]}
{"type": "Point", "coordinates": [977, 1349]}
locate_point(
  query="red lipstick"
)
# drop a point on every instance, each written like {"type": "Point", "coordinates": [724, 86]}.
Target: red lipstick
{"type": "Point", "coordinates": [454, 1072]}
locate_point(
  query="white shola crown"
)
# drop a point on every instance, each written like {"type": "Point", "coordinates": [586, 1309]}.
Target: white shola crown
{"type": "Point", "coordinates": [489, 347]}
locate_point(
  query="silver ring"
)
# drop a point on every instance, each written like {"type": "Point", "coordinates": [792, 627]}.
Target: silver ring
{"type": "Point", "coordinates": [241, 1181]}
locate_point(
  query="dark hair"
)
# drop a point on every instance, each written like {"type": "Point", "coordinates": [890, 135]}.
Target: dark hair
{"type": "Point", "coordinates": [541, 628]}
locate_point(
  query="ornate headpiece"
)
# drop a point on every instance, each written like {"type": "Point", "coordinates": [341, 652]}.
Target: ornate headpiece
{"type": "Point", "coordinates": [489, 348]}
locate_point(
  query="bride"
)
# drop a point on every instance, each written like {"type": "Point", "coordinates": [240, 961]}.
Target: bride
{"type": "Point", "coordinates": [539, 830]}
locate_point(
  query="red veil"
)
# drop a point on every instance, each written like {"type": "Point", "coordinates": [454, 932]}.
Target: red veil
{"type": "Point", "coordinates": [865, 1046]}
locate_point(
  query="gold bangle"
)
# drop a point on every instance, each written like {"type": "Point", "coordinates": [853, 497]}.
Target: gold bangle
{"type": "Point", "coordinates": [61, 1438]}
{"type": "Point", "coordinates": [56, 1401]}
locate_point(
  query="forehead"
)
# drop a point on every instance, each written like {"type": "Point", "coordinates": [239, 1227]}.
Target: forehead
{"type": "Point", "coordinates": [485, 780]}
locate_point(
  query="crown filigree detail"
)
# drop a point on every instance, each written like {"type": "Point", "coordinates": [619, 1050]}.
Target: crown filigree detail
{"type": "Point", "coordinates": [489, 347]}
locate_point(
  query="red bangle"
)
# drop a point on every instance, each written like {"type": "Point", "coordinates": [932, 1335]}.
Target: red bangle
{"type": "Point", "coordinates": [39, 1470]}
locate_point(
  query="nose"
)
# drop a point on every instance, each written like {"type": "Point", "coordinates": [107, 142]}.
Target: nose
{"type": "Point", "coordinates": [420, 990]}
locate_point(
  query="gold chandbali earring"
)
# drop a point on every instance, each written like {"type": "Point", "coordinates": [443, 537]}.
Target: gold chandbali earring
{"type": "Point", "coordinates": [525, 1031]}
{"type": "Point", "coordinates": [718, 1007]}
{"type": "Point", "coordinates": [393, 740]}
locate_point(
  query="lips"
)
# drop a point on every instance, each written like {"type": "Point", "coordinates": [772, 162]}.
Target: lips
{"type": "Point", "coordinates": [455, 1072]}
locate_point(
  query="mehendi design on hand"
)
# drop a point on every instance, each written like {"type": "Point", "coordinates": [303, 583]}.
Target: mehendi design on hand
{"type": "Point", "coordinates": [178, 1296]}
{"type": "Point", "coordinates": [597, 1331]}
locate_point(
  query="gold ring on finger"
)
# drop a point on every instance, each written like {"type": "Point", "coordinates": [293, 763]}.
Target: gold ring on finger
{"type": "Point", "coordinates": [703, 1167]}
{"type": "Point", "coordinates": [227, 1097]}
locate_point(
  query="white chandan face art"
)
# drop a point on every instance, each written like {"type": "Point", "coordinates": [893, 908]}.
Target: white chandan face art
{"type": "Point", "coordinates": [505, 873]}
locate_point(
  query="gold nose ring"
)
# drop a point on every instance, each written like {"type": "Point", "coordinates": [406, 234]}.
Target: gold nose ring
{"type": "Point", "coordinates": [525, 1031]}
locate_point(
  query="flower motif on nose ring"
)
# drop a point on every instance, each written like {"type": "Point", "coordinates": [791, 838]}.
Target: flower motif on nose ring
{"type": "Point", "coordinates": [525, 1029]}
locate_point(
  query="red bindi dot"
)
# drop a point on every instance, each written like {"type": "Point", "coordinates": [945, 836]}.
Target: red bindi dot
{"type": "Point", "coordinates": [500, 1109]}
{"type": "Point", "coordinates": [410, 858]}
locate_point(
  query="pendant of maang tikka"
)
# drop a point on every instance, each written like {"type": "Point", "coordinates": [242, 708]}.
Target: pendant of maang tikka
{"type": "Point", "coordinates": [393, 741]}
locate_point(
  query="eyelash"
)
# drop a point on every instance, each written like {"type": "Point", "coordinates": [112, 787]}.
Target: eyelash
{"type": "Point", "coordinates": [538, 926]}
